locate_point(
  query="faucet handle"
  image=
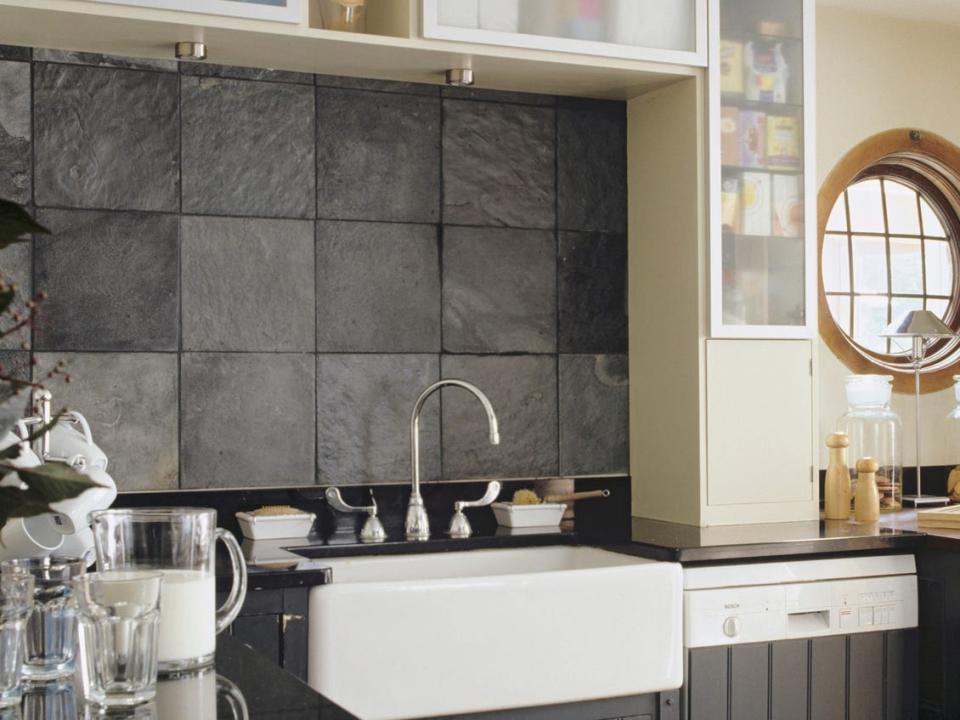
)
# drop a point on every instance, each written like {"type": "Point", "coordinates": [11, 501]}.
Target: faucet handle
{"type": "Point", "coordinates": [372, 530]}
{"type": "Point", "coordinates": [459, 524]}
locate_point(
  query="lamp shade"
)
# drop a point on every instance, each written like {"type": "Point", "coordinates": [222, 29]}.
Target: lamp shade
{"type": "Point", "coordinates": [917, 323]}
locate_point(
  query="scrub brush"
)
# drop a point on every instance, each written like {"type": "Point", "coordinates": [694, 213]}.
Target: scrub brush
{"type": "Point", "coordinates": [276, 510]}
{"type": "Point", "coordinates": [529, 497]}
{"type": "Point", "coordinates": [526, 497]}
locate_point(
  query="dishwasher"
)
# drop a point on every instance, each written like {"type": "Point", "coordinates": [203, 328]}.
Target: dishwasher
{"type": "Point", "coordinates": [828, 639]}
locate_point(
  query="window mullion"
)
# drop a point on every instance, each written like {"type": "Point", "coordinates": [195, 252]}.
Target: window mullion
{"type": "Point", "coordinates": [886, 246]}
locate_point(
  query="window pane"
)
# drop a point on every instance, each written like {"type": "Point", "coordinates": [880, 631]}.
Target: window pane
{"type": "Point", "coordinates": [939, 268]}
{"type": "Point", "coordinates": [840, 309]}
{"type": "Point", "coordinates": [938, 306]}
{"type": "Point", "coordinates": [866, 207]}
{"type": "Point", "coordinates": [835, 264]}
{"type": "Point", "coordinates": [869, 320]}
{"type": "Point", "coordinates": [931, 223]}
{"type": "Point", "coordinates": [838, 217]}
{"type": "Point", "coordinates": [902, 215]}
{"type": "Point", "coordinates": [869, 265]}
{"type": "Point", "coordinates": [898, 307]}
{"type": "Point", "coordinates": [906, 266]}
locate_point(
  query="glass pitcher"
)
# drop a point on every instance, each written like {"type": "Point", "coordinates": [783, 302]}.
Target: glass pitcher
{"type": "Point", "coordinates": [181, 543]}
{"type": "Point", "coordinates": [875, 431]}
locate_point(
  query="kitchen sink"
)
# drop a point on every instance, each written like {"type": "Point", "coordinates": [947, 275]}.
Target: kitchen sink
{"type": "Point", "coordinates": [409, 636]}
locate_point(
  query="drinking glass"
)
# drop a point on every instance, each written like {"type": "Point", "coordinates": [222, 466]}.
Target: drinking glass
{"type": "Point", "coordinates": [119, 616]}
{"type": "Point", "coordinates": [55, 700]}
{"type": "Point", "coordinates": [50, 630]}
{"type": "Point", "coordinates": [16, 604]}
{"type": "Point", "coordinates": [179, 542]}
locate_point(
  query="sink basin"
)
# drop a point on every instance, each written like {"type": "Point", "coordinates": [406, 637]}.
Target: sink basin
{"type": "Point", "coordinates": [410, 636]}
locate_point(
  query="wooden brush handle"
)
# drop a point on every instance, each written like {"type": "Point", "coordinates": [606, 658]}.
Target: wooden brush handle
{"type": "Point", "coordinates": [569, 497]}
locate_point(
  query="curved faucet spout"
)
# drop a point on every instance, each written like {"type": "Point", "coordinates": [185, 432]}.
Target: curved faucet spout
{"type": "Point", "coordinates": [417, 525]}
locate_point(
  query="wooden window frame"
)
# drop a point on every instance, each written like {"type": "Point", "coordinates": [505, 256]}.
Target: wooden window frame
{"type": "Point", "coordinates": [930, 164]}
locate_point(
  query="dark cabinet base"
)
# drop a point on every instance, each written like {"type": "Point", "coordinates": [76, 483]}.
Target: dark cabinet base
{"type": "Point", "coordinates": [869, 676]}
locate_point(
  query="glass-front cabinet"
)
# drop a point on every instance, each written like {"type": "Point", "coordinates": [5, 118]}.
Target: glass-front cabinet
{"type": "Point", "coordinates": [670, 31]}
{"type": "Point", "coordinates": [762, 197]}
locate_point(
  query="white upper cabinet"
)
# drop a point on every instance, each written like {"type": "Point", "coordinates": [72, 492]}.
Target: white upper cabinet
{"type": "Point", "coordinates": [280, 10]}
{"type": "Point", "coordinates": [669, 31]}
{"type": "Point", "coordinates": [762, 192]}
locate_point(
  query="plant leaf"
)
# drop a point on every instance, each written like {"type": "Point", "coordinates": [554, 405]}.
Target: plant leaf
{"type": "Point", "coordinates": [53, 481]}
{"type": "Point", "coordinates": [21, 503]}
{"type": "Point", "coordinates": [6, 298]}
{"type": "Point", "coordinates": [15, 223]}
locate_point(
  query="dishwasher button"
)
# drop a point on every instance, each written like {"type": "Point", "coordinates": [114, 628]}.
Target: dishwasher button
{"type": "Point", "coordinates": [866, 616]}
{"type": "Point", "coordinates": [731, 627]}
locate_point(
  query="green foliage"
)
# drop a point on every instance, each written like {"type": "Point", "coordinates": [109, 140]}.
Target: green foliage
{"type": "Point", "coordinates": [16, 223]}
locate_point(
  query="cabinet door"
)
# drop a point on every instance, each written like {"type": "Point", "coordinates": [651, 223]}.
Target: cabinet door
{"type": "Point", "coordinates": [674, 31]}
{"type": "Point", "coordinates": [762, 249]}
{"type": "Point", "coordinates": [760, 449]}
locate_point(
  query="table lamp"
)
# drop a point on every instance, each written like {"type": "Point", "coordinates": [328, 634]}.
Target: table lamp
{"type": "Point", "coordinates": [919, 326]}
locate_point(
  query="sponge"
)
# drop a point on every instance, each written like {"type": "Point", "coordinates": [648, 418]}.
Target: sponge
{"type": "Point", "coordinates": [526, 497]}
{"type": "Point", "coordinates": [276, 510]}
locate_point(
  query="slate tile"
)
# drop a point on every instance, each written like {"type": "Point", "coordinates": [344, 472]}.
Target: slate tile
{"type": "Point", "coordinates": [378, 156]}
{"type": "Point", "coordinates": [204, 69]}
{"type": "Point", "coordinates": [15, 132]}
{"type": "Point", "coordinates": [378, 287]}
{"type": "Point", "coordinates": [15, 364]}
{"type": "Point", "coordinates": [112, 280]}
{"type": "Point", "coordinates": [592, 293]}
{"type": "Point", "coordinates": [594, 414]}
{"type": "Point", "coordinates": [363, 417]}
{"type": "Point", "coordinates": [351, 83]}
{"type": "Point", "coordinates": [501, 96]}
{"type": "Point", "coordinates": [16, 269]}
{"type": "Point", "coordinates": [498, 164]}
{"type": "Point", "coordinates": [15, 52]}
{"type": "Point", "coordinates": [523, 392]}
{"type": "Point", "coordinates": [247, 148]}
{"type": "Point", "coordinates": [130, 401]}
{"type": "Point", "coordinates": [247, 420]}
{"type": "Point", "coordinates": [499, 290]}
{"type": "Point", "coordinates": [592, 168]}
{"type": "Point", "coordinates": [74, 57]}
{"type": "Point", "coordinates": [106, 138]}
{"type": "Point", "coordinates": [248, 284]}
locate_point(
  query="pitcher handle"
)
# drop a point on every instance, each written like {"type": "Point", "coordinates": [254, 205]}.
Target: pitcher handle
{"type": "Point", "coordinates": [238, 590]}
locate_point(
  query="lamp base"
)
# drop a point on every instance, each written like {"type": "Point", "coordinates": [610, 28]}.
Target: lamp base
{"type": "Point", "coordinates": [925, 500]}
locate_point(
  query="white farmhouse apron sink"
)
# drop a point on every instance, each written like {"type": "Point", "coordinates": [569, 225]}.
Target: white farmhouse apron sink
{"type": "Point", "coordinates": [410, 636]}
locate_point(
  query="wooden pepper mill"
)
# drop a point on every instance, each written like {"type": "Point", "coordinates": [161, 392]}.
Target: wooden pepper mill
{"type": "Point", "coordinates": [836, 488]}
{"type": "Point", "coordinates": [867, 504]}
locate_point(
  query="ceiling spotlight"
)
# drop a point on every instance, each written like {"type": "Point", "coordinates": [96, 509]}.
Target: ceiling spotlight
{"type": "Point", "coordinates": [460, 77]}
{"type": "Point", "coordinates": [190, 51]}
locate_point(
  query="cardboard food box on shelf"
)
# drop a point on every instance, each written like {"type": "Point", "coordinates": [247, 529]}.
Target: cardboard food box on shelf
{"type": "Point", "coordinates": [729, 135]}
{"type": "Point", "coordinates": [765, 72]}
{"type": "Point", "coordinates": [731, 67]}
{"type": "Point", "coordinates": [755, 198]}
{"type": "Point", "coordinates": [783, 142]}
{"type": "Point", "coordinates": [753, 138]}
{"type": "Point", "coordinates": [787, 206]}
{"type": "Point", "coordinates": [730, 204]}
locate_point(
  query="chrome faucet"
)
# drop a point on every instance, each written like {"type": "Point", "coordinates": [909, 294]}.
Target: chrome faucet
{"type": "Point", "coordinates": [418, 525]}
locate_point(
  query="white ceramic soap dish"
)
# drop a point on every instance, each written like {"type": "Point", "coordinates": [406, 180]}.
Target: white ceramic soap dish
{"type": "Point", "coordinates": [521, 516]}
{"type": "Point", "coordinates": [273, 527]}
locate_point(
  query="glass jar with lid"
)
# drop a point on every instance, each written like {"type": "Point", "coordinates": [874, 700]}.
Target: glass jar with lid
{"type": "Point", "coordinates": [874, 431]}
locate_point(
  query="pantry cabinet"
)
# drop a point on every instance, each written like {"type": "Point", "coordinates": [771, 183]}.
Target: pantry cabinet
{"type": "Point", "coordinates": [762, 193]}
{"type": "Point", "coordinates": [654, 30]}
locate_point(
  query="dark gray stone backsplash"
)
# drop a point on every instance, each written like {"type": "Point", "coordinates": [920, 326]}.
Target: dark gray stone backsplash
{"type": "Point", "coordinates": [253, 273]}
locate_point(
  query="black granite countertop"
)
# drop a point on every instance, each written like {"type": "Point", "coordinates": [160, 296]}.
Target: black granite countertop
{"type": "Point", "coordinates": [242, 684]}
{"type": "Point", "coordinates": [689, 544]}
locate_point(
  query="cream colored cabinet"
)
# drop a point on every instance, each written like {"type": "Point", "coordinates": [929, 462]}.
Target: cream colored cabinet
{"type": "Point", "coordinates": [670, 31]}
{"type": "Point", "coordinates": [722, 303]}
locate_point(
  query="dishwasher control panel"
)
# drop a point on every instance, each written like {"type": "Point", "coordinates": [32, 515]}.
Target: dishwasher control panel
{"type": "Point", "coordinates": [764, 613]}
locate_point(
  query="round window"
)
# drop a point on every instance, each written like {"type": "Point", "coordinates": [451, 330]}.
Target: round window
{"type": "Point", "coordinates": [890, 243]}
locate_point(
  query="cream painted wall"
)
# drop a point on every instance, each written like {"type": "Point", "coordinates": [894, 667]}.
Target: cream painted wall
{"type": "Point", "coordinates": [873, 74]}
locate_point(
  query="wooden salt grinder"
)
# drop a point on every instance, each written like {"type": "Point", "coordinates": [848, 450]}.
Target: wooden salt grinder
{"type": "Point", "coordinates": [867, 505]}
{"type": "Point", "coordinates": [836, 488]}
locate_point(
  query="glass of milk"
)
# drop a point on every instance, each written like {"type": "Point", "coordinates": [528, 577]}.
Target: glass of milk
{"type": "Point", "coordinates": [180, 542]}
